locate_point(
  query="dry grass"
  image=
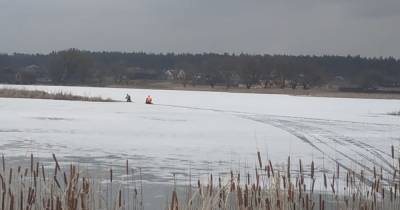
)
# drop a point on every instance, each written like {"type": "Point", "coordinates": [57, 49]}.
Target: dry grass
{"type": "Point", "coordinates": [272, 187]}
{"type": "Point", "coordinates": [36, 187]}
{"type": "Point", "coordinates": [281, 188]}
{"type": "Point", "coordinates": [38, 94]}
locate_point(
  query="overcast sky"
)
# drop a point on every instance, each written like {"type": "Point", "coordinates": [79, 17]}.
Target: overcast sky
{"type": "Point", "coordinates": [365, 27]}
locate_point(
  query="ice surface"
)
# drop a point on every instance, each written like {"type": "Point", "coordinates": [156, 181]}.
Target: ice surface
{"type": "Point", "coordinates": [201, 131]}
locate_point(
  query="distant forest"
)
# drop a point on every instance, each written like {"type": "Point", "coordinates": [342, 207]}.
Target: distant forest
{"type": "Point", "coordinates": [76, 67]}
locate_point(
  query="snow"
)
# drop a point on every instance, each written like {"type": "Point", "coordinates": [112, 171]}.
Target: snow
{"type": "Point", "coordinates": [201, 131]}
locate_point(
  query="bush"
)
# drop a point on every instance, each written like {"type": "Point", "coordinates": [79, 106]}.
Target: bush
{"type": "Point", "coordinates": [15, 93]}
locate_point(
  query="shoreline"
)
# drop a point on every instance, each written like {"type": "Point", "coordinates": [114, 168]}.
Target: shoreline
{"type": "Point", "coordinates": [313, 92]}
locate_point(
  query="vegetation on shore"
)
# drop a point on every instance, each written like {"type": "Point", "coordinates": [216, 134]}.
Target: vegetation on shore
{"type": "Point", "coordinates": [283, 187]}
{"type": "Point", "coordinates": [38, 94]}
{"type": "Point", "coordinates": [41, 186]}
{"type": "Point", "coordinates": [271, 186]}
{"type": "Point", "coordinates": [77, 67]}
{"type": "Point", "coordinates": [395, 113]}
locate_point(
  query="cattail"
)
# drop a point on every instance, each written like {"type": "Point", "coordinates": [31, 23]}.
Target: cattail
{"type": "Point", "coordinates": [391, 194]}
{"type": "Point", "coordinates": [392, 152]}
{"type": "Point", "coordinates": [312, 185]}
{"type": "Point", "coordinates": [35, 179]}
{"type": "Point", "coordinates": [57, 165]}
{"type": "Point", "coordinates": [288, 168]}
{"type": "Point", "coordinates": [374, 172]}
{"type": "Point", "coordinates": [325, 182]}
{"type": "Point", "coordinates": [337, 170]}
{"type": "Point", "coordinates": [211, 184]}
{"type": "Point", "coordinates": [111, 175]}
{"type": "Point", "coordinates": [10, 177]}
{"type": "Point", "coordinates": [272, 169]}
{"type": "Point", "coordinates": [37, 168]}
{"type": "Point", "coordinates": [284, 182]}
{"type": "Point", "coordinates": [127, 167]}
{"type": "Point", "coordinates": [58, 184]}
{"type": "Point", "coordinates": [65, 179]}
{"type": "Point", "coordinates": [320, 202]}
{"type": "Point", "coordinates": [333, 184]}
{"type": "Point", "coordinates": [312, 169]}
{"type": "Point", "coordinates": [301, 166]}
{"type": "Point", "coordinates": [199, 186]}
{"type": "Point", "coordinates": [246, 196]}
{"type": "Point", "coordinates": [44, 175]}
{"type": "Point", "coordinates": [3, 184]}
{"type": "Point", "coordinates": [31, 164]}
{"type": "Point", "coordinates": [4, 163]}
{"type": "Point", "coordinates": [259, 159]}
{"type": "Point", "coordinates": [362, 176]}
{"type": "Point", "coordinates": [119, 199]}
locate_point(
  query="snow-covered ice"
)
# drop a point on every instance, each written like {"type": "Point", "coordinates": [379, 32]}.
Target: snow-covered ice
{"type": "Point", "coordinates": [201, 131]}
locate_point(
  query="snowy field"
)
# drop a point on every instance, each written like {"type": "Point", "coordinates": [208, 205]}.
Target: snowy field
{"type": "Point", "coordinates": [200, 132]}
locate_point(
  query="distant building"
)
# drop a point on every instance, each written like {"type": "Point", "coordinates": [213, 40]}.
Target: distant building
{"type": "Point", "coordinates": [181, 75]}
{"type": "Point", "coordinates": [170, 74]}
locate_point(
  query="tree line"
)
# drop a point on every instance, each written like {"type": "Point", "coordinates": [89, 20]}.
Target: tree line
{"type": "Point", "coordinates": [77, 67]}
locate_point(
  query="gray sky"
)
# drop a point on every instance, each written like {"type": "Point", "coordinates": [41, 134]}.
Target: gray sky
{"type": "Point", "coordinates": [365, 27]}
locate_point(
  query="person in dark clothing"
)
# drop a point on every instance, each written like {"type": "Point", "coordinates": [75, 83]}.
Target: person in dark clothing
{"type": "Point", "coordinates": [128, 98]}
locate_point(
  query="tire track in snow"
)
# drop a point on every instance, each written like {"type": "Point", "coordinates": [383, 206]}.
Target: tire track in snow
{"type": "Point", "coordinates": [313, 136]}
{"type": "Point", "coordinates": [322, 135]}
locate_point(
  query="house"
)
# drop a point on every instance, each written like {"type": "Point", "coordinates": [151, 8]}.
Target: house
{"type": "Point", "coordinates": [181, 75]}
{"type": "Point", "coordinates": [170, 74]}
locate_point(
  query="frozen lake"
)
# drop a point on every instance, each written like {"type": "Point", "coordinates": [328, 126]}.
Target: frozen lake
{"type": "Point", "coordinates": [200, 132]}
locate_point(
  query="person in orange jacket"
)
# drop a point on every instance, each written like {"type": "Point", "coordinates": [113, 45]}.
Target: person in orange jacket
{"type": "Point", "coordinates": [149, 100]}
